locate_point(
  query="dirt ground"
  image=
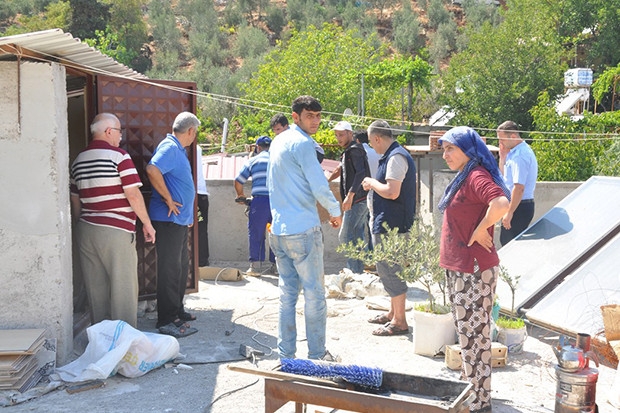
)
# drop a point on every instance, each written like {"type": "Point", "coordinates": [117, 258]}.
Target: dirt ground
{"type": "Point", "coordinates": [234, 313]}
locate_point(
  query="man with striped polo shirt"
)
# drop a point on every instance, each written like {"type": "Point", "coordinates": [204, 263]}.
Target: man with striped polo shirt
{"type": "Point", "coordinates": [105, 196]}
{"type": "Point", "coordinates": [259, 211]}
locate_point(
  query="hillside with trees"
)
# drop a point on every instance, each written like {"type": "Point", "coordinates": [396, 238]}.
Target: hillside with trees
{"type": "Point", "coordinates": [395, 60]}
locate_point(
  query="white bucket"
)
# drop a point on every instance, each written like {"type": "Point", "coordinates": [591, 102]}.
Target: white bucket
{"type": "Point", "coordinates": [513, 338]}
{"type": "Point", "coordinates": [433, 332]}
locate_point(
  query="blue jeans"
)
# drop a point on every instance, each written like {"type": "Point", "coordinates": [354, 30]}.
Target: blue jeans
{"type": "Point", "coordinates": [300, 265]}
{"type": "Point", "coordinates": [354, 226]}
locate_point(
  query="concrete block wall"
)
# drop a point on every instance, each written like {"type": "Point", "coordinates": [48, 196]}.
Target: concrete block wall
{"type": "Point", "coordinates": [228, 225]}
{"type": "Point", "coordinates": [35, 227]}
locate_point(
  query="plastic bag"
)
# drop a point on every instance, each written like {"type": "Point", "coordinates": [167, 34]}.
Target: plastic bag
{"type": "Point", "coordinates": [116, 347]}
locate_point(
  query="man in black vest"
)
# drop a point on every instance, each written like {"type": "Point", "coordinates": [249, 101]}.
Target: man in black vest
{"type": "Point", "coordinates": [352, 171]}
{"type": "Point", "coordinates": [393, 202]}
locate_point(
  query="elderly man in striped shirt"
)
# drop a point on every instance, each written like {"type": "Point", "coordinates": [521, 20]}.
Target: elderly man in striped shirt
{"type": "Point", "coordinates": [105, 196]}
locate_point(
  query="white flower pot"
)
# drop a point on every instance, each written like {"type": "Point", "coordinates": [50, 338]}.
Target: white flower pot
{"type": "Point", "coordinates": [433, 332]}
{"type": "Point", "coordinates": [513, 338]}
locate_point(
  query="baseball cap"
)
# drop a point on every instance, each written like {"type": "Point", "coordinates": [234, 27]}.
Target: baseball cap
{"type": "Point", "coordinates": [343, 125]}
{"type": "Point", "coordinates": [263, 142]}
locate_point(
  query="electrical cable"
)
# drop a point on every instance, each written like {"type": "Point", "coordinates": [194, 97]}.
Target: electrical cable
{"type": "Point", "coordinates": [229, 332]}
{"type": "Point", "coordinates": [228, 393]}
{"type": "Point", "coordinates": [275, 108]}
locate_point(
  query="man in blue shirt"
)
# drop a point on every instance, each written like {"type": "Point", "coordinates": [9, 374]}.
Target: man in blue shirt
{"type": "Point", "coordinates": [519, 167]}
{"type": "Point", "coordinates": [296, 183]}
{"type": "Point", "coordinates": [259, 211]}
{"type": "Point", "coordinates": [172, 211]}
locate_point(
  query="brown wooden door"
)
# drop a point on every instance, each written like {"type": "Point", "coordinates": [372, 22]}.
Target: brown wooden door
{"type": "Point", "coordinates": [147, 110]}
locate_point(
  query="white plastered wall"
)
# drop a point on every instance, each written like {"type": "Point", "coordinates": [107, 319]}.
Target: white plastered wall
{"type": "Point", "coordinates": [35, 227]}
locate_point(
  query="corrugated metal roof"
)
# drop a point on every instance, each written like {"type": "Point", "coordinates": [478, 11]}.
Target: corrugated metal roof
{"type": "Point", "coordinates": [227, 166]}
{"type": "Point", "coordinates": [68, 50]}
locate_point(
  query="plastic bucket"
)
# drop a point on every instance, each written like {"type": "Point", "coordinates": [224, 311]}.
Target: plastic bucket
{"type": "Point", "coordinates": [432, 333]}
{"type": "Point", "coordinates": [513, 338]}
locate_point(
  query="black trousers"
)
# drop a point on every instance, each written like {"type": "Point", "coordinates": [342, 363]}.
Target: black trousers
{"type": "Point", "coordinates": [172, 270]}
{"type": "Point", "coordinates": [203, 231]}
{"type": "Point", "coordinates": [520, 220]}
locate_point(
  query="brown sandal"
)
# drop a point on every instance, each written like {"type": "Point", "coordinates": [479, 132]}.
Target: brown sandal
{"type": "Point", "coordinates": [390, 330]}
{"type": "Point", "coordinates": [380, 319]}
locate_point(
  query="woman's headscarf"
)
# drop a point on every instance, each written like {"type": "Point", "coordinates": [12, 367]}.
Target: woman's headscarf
{"type": "Point", "coordinates": [476, 150]}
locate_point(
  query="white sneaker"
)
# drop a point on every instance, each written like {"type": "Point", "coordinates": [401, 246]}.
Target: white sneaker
{"type": "Point", "coordinates": [330, 357]}
{"type": "Point", "coordinates": [254, 269]}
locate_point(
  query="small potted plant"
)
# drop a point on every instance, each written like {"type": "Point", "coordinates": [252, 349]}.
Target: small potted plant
{"type": "Point", "coordinates": [417, 253]}
{"type": "Point", "coordinates": [511, 331]}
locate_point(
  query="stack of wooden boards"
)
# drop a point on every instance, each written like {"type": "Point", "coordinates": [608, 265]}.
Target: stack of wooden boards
{"type": "Point", "coordinates": [25, 356]}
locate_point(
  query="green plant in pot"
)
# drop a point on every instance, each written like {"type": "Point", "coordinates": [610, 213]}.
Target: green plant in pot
{"type": "Point", "coordinates": [511, 330]}
{"type": "Point", "coordinates": [417, 253]}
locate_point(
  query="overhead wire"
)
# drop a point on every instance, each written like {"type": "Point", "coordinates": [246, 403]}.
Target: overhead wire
{"type": "Point", "coordinates": [276, 108]}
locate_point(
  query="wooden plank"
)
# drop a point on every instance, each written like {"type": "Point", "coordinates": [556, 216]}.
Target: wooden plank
{"type": "Point", "coordinates": [306, 393]}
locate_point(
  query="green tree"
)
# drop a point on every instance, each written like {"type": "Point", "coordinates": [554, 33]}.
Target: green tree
{"type": "Point", "coordinates": [382, 5]}
{"type": "Point", "coordinates": [607, 87]}
{"type": "Point", "coordinates": [276, 20]}
{"type": "Point", "coordinates": [207, 43]}
{"type": "Point", "coordinates": [88, 17]}
{"type": "Point", "coordinates": [609, 162]}
{"type": "Point", "coordinates": [443, 42]}
{"type": "Point", "coordinates": [401, 71]}
{"type": "Point", "coordinates": [56, 15]}
{"type": "Point", "coordinates": [503, 69]}
{"type": "Point", "coordinates": [128, 24]}
{"type": "Point", "coordinates": [355, 17]}
{"type": "Point", "coordinates": [306, 13]}
{"type": "Point", "coordinates": [567, 150]}
{"type": "Point", "coordinates": [479, 12]}
{"type": "Point", "coordinates": [593, 27]}
{"type": "Point", "coordinates": [251, 42]}
{"type": "Point", "coordinates": [107, 43]}
{"type": "Point", "coordinates": [437, 13]}
{"type": "Point", "coordinates": [323, 62]}
{"type": "Point", "coordinates": [407, 34]}
{"type": "Point", "coordinates": [167, 39]}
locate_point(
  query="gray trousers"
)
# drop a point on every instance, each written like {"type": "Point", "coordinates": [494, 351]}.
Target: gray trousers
{"type": "Point", "coordinates": [110, 267]}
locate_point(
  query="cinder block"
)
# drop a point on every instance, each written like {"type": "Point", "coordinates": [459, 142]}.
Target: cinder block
{"type": "Point", "coordinates": [499, 356]}
{"type": "Point", "coordinates": [498, 350]}
{"type": "Point", "coordinates": [499, 362]}
{"type": "Point", "coordinates": [453, 357]}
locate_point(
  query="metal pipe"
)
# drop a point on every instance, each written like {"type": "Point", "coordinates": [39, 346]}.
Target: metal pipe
{"type": "Point", "coordinates": [224, 135]}
{"type": "Point", "coordinates": [583, 342]}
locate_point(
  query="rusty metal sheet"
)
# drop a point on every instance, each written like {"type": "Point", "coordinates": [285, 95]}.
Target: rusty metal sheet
{"type": "Point", "coordinates": [146, 111]}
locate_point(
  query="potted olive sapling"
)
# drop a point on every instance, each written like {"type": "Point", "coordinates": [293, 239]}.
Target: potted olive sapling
{"type": "Point", "coordinates": [434, 323]}
{"type": "Point", "coordinates": [511, 331]}
{"type": "Point", "coordinates": [417, 253]}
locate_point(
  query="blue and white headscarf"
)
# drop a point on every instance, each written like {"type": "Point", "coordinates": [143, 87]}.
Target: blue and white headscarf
{"type": "Point", "coordinates": [476, 150]}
